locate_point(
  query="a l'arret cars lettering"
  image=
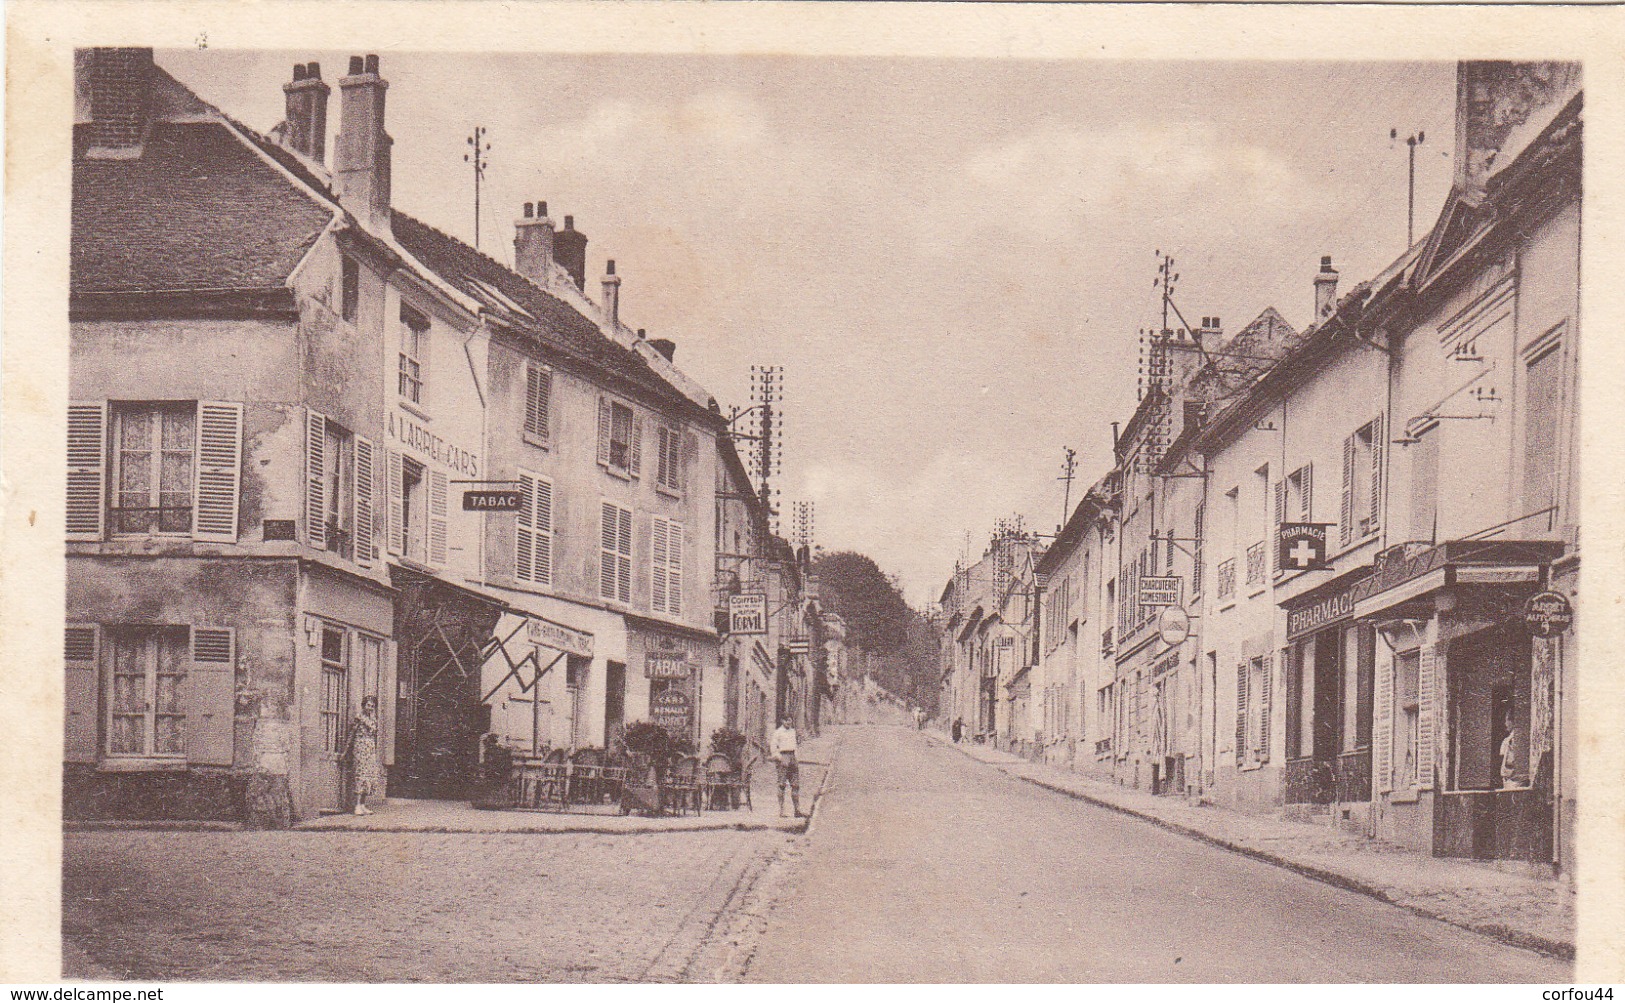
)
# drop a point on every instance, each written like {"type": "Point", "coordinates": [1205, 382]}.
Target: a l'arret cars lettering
{"type": "Point", "coordinates": [420, 440]}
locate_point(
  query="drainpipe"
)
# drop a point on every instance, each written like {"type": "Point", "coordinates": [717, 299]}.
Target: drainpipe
{"type": "Point", "coordinates": [485, 445]}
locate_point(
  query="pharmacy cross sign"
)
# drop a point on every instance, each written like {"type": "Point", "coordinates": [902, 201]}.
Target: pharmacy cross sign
{"type": "Point", "coordinates": [1302, 546]}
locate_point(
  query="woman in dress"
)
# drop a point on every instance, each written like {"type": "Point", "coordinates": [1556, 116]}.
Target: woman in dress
{"type": "Point", "coordinates": [366, 770]}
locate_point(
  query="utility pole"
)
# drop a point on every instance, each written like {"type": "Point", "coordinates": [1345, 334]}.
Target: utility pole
{"type": "Point", "coordinates": [478, 147]}
{"type": "Point", "coordinates": [1412, 141]}
{"type": "Point", "coordinates": [1069, 467]}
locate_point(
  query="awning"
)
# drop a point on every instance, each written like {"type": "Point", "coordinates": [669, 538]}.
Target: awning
{"type": "Point", "coordinates": [1402, 578]}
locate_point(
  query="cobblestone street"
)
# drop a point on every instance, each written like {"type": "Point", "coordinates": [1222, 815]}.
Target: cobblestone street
{"type": "Point", "coordinates": [919, 861]}
{"type": "Point", "coordinates": [393, 907]}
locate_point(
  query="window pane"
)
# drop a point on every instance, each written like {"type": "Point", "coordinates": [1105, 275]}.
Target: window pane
{"type": "Point", "coordinates": [135, 430]}
{"type": "Point", "coordinates": [171, 737]}
{"type": "Point", "coordinates": [180, 428]}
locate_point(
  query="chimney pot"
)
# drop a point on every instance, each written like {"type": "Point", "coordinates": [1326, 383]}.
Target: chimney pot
{"type": "Point", "coordinates": [541, 208]}
{"type": "Point", "coordinates": [1325, 289]}
{"type": "Point", "coordinates": [530, 210]}
{"type": "Point", "coordinates": [610, 267]}
{"type": "Point", "coordinates": [314, 70]}
{"type": "Point", "coordinates": [119, 84]}
{"type": "Point", "coordinates": [642, 334]}
{"type": "Point", "coordinates": [570, 251]}
{"type": "Point", "coordinates": [361, 161]}
{"type": "Point", "coordinates": [299, 71]}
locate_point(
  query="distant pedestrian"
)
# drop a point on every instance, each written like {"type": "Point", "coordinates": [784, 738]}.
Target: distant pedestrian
{"type": "Point", "coordinates": [958, 729]}
{"type": "Point", "coordinates": [366, 769]}
{"type": "Point", "coordinates": [919, 719]}
{"type": "Point", "coordinates": [784, 763]}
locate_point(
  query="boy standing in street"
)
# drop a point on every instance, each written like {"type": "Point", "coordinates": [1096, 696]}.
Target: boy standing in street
{"type": "Point", "coordinates": [784, 761]}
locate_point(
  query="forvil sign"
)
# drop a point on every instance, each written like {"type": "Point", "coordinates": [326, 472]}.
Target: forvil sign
{"type": "Point", "coordinates": [747, 613]}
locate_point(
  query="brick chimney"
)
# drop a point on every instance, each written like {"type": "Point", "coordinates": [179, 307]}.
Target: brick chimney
{"type": "Point", "coordinates": [612, 294]}
{"type": "Point", "coordinates": [305, 120]}
{"type": "Point", "coordinates": [1325, 289]}
{"type": "Point", "coordinates": [118, 83]}
{"type": "Point", "coordinates": [570, 251]}
{"type": "Point", "coordinates": [533, 243]}
{"type": "Point", "coordinates": [361, 154]}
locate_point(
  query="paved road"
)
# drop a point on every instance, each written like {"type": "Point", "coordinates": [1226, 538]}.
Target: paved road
{"type": "Point", "coordinates": [925, 866]}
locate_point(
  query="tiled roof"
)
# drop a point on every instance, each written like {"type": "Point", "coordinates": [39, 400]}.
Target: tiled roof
{"type": "Point", "coordinates": [196, 211]}
{"type": "Point", "coordinates": [544, 315]}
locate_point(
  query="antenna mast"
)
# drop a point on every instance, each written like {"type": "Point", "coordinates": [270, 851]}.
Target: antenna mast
{"type": "Point", "coordinates": [478, 147]}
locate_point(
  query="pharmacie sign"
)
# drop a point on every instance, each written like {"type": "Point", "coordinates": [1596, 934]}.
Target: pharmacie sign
{"type": "Point", "coordinates": [1302, 546]}
{"type": "Point", "coordinates": [1310, 618]}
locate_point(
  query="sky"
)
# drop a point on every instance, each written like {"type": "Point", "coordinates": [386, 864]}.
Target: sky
{"type": "Point", "coordinates": [951, 258]}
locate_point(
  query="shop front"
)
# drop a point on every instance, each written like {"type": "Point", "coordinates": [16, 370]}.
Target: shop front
{"type": "Point", "coordinates": [442, 633]}
{"type": "Point", "coordinates": [1466, 698]}
{"type": "Point", "coordinates": [667, 686]}
{"type": "Point", "coordinates": [531, 680]}
{"type": "Point", "coordinates": [1330, 670]}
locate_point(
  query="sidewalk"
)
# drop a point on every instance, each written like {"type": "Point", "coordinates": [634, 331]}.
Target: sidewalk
{"type": "Point", "coordinates": [1519, 909]}
{"type": "Point", "coordinates": [407, 815]}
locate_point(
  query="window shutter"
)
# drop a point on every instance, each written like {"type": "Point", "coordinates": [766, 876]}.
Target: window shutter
{"type": "Point", "coordinates": [524, 531]}
{"type": "Point", "coordinates": [607, 566]}
{"type": "Point", "coordinates": [316, 480]}
{"type": "Point", "coordinates": [538, 398]}
{"type": "Point", "coordinates": [674, 568]}
{"type": "Point", "coordinates": [1376, 473]}
{"type": "Point", "coordinates": [624, 561]}
{"type": "Point", "coordinates": [658, 587]}
{"type": "Point", "coordinates": [218, 471]}
{"type": "Point", "coordinates": [1241, 713]}
{"type": "Point", "coordinates": [534, 531]}
{"type": "Point", "coordinates": [81, 659]}
{"type": "Point", "coordinates": [636, 463]}
{"type": "Point", "coordinates": [603, 430]}
{"type": "Point", "coordinates": [1346, 519]}
{"type": "Point", "coordinates": [1306, 504]}
{"type": "Point", "coordinates": [210, 699]}
{"type": "Point", "coordinates": [1274, 545]}
{"type": "Point", "coordinates": [362, 522]}
{"type": "Point", "coordinates": [87, 471]}
{"type": "Point", "coordinates": [1382, 741]}
{"type": "Point", "coordinates": [437, 517]}
{"type": "Point", "coordinates": [1266, 691]}
{"type": "Point", "coordinates": [1424, 717]}
{"type": "Point", "coordinates": [543, 525]}
{"type": "Point", "coordinates": [393, 473]}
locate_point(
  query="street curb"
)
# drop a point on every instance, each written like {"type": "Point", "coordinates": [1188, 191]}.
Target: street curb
{"type": "Point", "coordinates": [823, 783]}
{"type": "Point", "coordinates": [1563, 950]}
{"type": "Point", "coordinates": [160, 826]}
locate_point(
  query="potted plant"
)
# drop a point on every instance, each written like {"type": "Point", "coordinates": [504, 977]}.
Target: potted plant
{"type": "Point", "coordinates": [730, 743]}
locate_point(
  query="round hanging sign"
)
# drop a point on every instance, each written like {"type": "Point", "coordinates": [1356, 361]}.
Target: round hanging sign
{"type": "Point", "coordinates": [1547, 613]}
{"type": "Point", "coordinates": [1174, 624]}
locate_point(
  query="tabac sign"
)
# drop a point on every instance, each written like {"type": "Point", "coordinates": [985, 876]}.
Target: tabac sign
{"type": "Point", "coordinates": [666, 665]}
{"type": "Point", "coordinates": [1301, 546]}
{"type": "Point", "coordinates": [747, 613]}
